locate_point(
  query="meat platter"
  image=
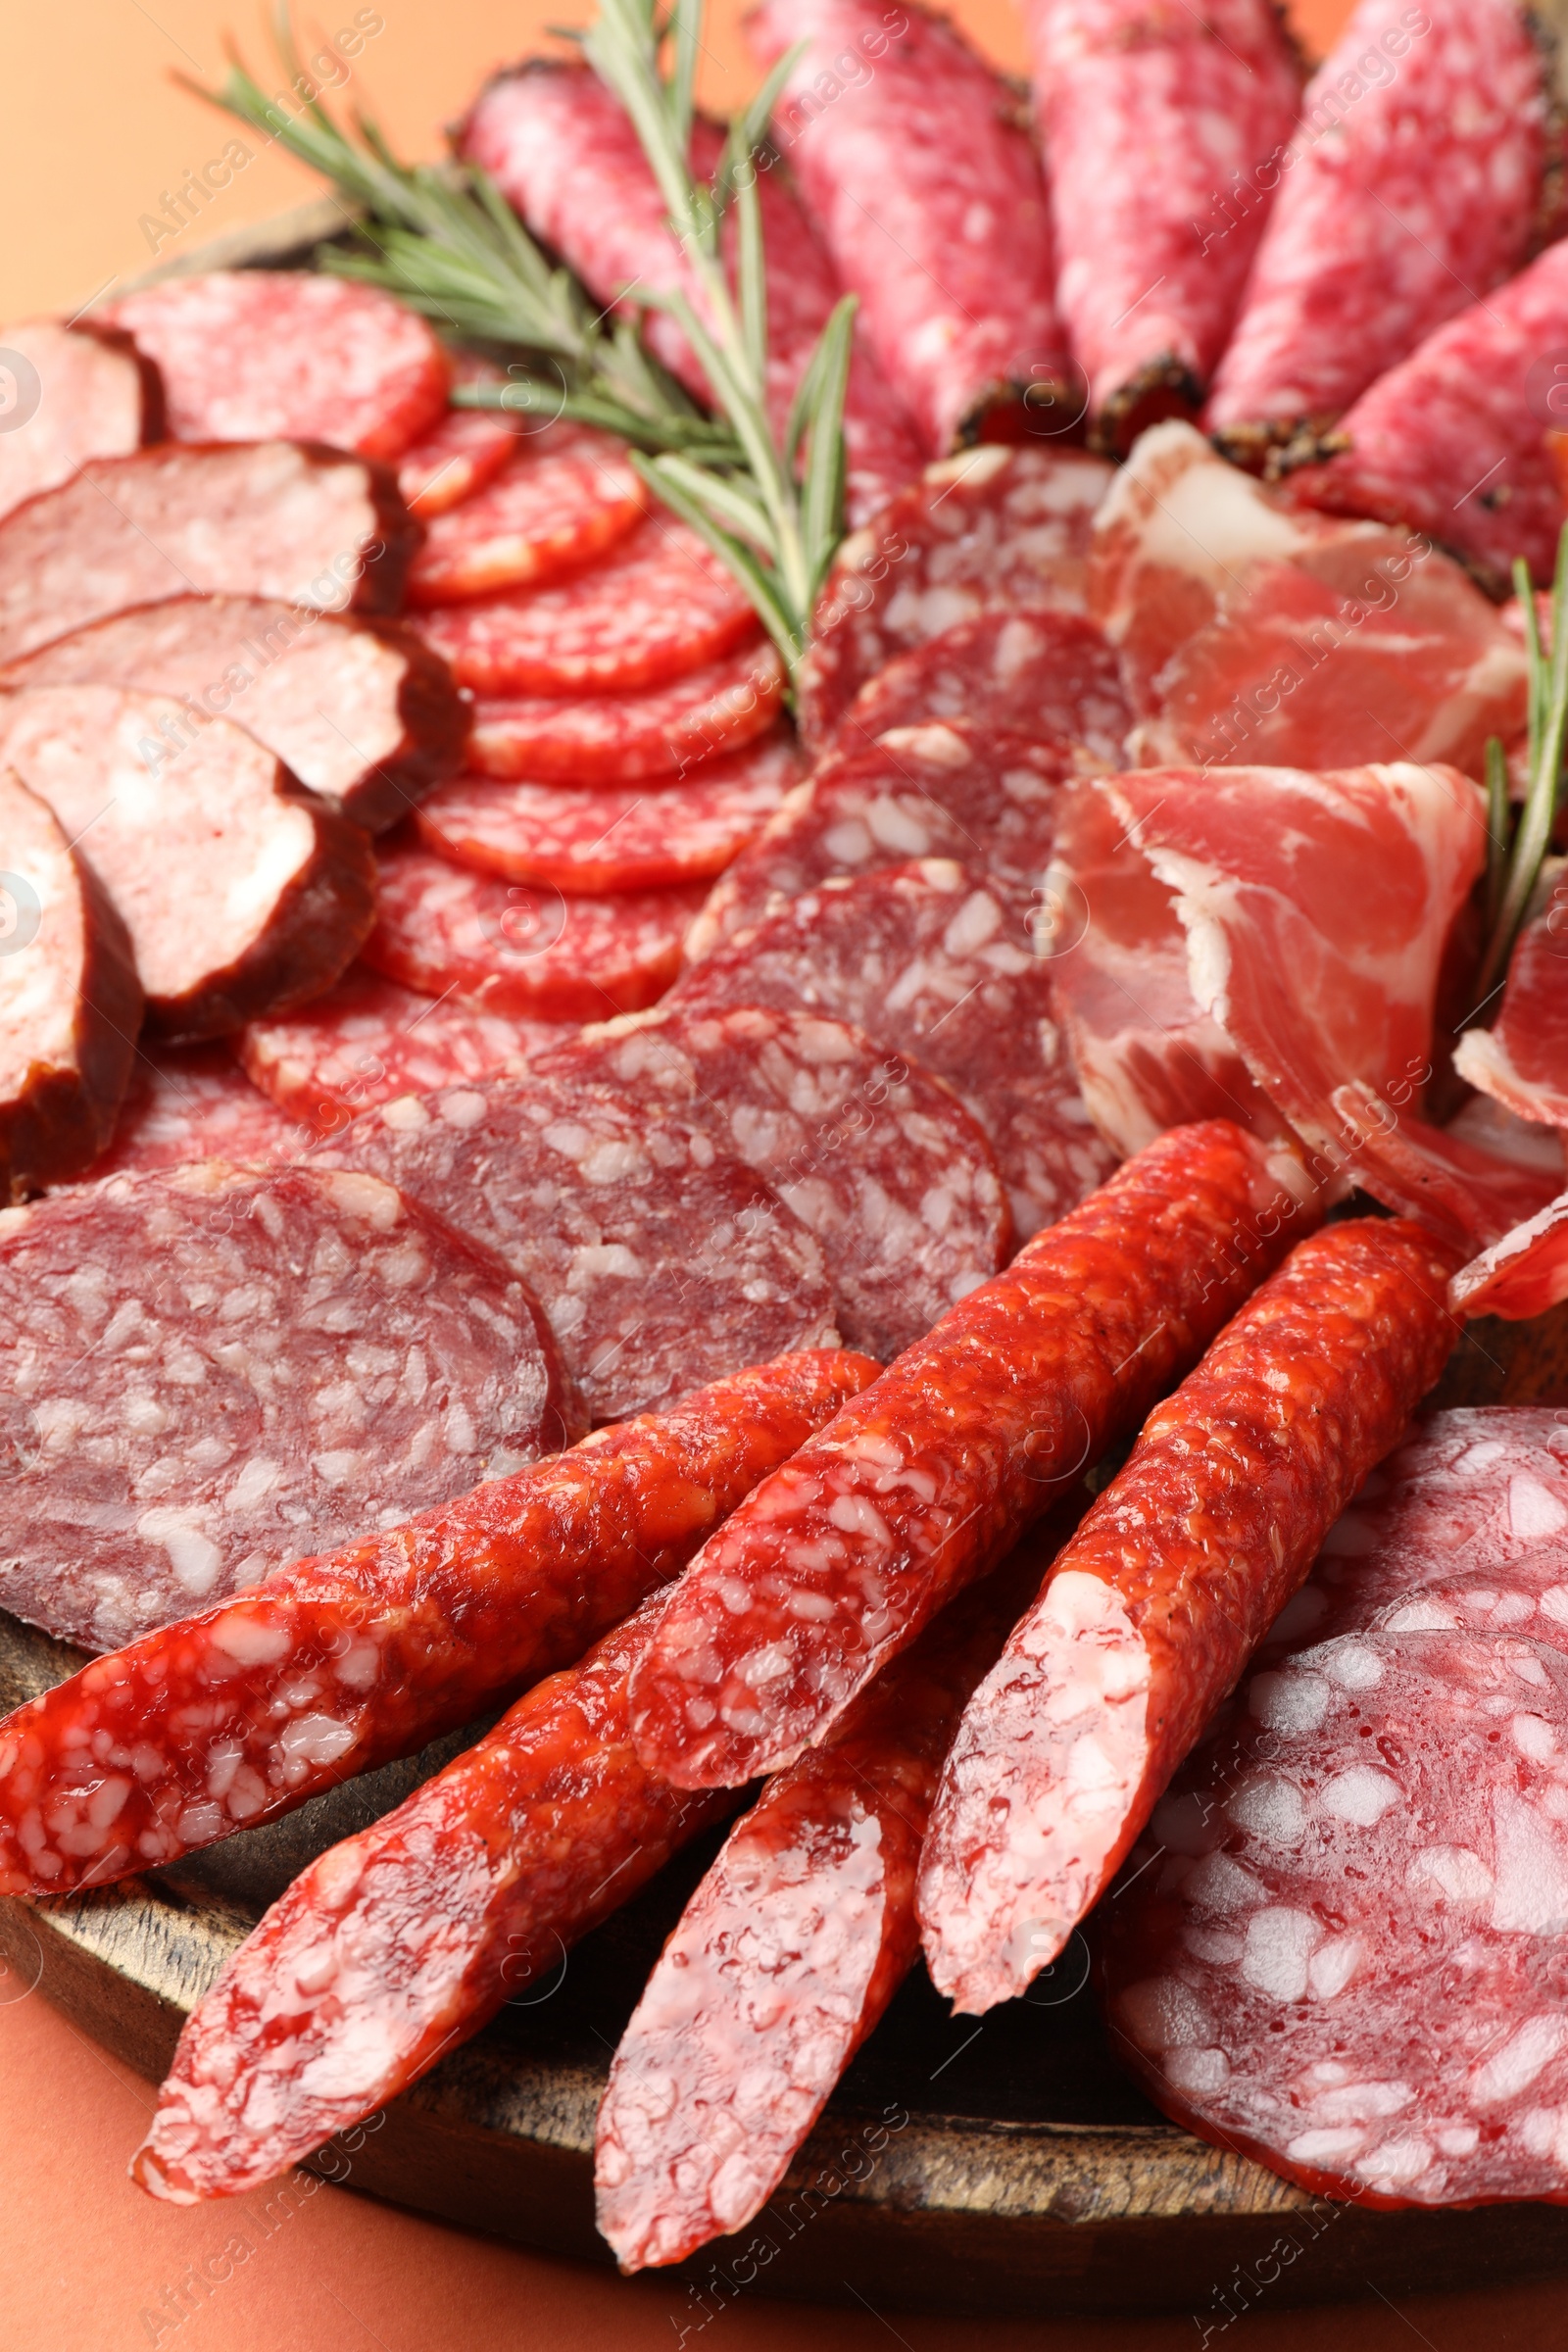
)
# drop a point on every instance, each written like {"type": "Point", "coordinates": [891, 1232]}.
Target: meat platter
{"type": "Point", "coordinates": [712, 1242]}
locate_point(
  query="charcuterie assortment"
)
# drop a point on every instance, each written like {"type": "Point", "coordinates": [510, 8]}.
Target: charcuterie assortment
{"type": "Point", "coordinates": [782, 945]}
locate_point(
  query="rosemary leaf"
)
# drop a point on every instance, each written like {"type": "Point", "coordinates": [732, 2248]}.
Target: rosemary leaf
{"type": "Point", "coordinates": [1549, 723]}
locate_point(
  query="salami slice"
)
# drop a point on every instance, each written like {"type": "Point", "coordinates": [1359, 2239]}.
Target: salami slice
{"type": "Point", "coordinates": [1152, 260]}
{"type": "Point", "coordinates": [991, 530]}
{"type": "Point", "coordinates": [405, 1940]}
{"type": "Point", "coordinates": [72, 394]}
{"type": "Point", "coordinates": [657, 605]}
{"type": "Point", "coordinates": [562, 497]}
{"type": "Point", "coordinates": [1042, 676]}
{"type": "Point", "coordinates": [212, 1371]}
{"type": "Point", "coordinates": [1522, 1060]}
{"type": "Point", "coordinates": [1153, 1607]}
{"type": "Point", "coordinates": [363, 1654]}
{"type": "Point", "coordinates": [369, 1039]}
{"type": "Point", "coordinates": [362, 711]}
{"type": "Point", "coordinates": [1412, 184]}
{"type": "Point", "coordinates": [929, 961]}
{"type": "Point", "coordinates": [190, 1102]}
{"type": "Point", "coordinates": [509, 948]}
{"type": "Point", "coordinates": [877, 1159]}
{"type": "Point", "coordinates": [609, 837]}
{"type": "Point", "coordinates": [1452, 440]}
{"type": "Point", "coordinates": [304, 525]}
{"type": "Point", "coordinates": [258, 355]}
{"type": "Point", "coordinates": [660, 1260]}
{"type": "Point", "coordinates": [930, 199]}
{"type": "Point", "coordinates": [620, 738]}
{"type": "Point", "coordinates": [566, 153]}
{"type": "Point", "coordinates": [241, 894]}
{"type": "Point", "coordinates": [70, 1002]}
{"type": "Point", "coordinates": [1349, 1963]}
{"type": "Point", "coordinates": [990, 803]}
{"type": "Point", "coordinates": [462, 451]}
{"type": "Point", "coordinates": [917, 1488]}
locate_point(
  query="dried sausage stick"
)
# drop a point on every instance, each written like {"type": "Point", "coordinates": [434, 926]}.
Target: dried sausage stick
{"type": "Point", "coordinates": [838, 1559]}
{"type": "Point", "coordinates": [403, 1942]}
{"type": "Point", "coordinates": [1155, 1607]}
{"type": "Point", "coordinates": [339, 1664]}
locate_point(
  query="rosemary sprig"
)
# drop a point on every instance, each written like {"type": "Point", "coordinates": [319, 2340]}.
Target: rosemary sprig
{"type": "Point", "coordinates": [444, 240]}
{"type": "Point", "coordinates": [1514, 870]}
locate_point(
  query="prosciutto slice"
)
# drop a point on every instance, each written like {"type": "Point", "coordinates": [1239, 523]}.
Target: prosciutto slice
{"type": "Point", "coordinates": [1522, 1062]}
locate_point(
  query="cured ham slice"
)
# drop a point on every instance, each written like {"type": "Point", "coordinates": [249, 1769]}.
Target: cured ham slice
{"type": "Point", "coordinates": [1522, 1275]}
{"type": "Point", "coordinates": [1522, 1062]}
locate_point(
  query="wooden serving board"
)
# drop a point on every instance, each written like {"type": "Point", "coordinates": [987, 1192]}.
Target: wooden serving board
{"type": "Point", "coordinates": [999, 2165]}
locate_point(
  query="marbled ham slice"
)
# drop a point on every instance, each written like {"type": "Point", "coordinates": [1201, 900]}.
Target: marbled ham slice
{"type": "Point", "coordinates": [1522, 1062]}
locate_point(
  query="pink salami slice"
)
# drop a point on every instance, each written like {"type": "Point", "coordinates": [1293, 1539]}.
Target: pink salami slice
{"type": "Point", "coordinates": [660, 1260]}
{"type": "Point", "coordinates": [190, 1102]}
{"type": "Point", "coordinates": [619, 738]}
{"type": "Point", "coordinates": [993, 529]}
{"type": "Point", "coordinates": [248, 355]}
{"type": "Point", "coordinates": [1413, 184]}
{"type": "Point", "coordinates": [511, 948]}
{"type": "Point", "coordinates": [879, 1160]}
{"type": "Point", "coordinates": [564, 496]}
{"type": "Point", "coordinates": [1148, 115]}
{"type": "Point", "coordinates": [929, 961]}
{"type": "Point", "coordinates": [462, 451]}
{"type": "Point", "coordinates": [1049, 676]}
{"type": "Point", "coordinates": [212, 1372]}
{"type": "Point", "coordinates": [598, 838]}
{"type": "Point", "coordinates": [657, 607]}
{"type": "Point", "coordinates": [369, 1039]}
{"type": "Point", "coordinates": [1343, 1954]}
{"type": "Point", "coordinates": [75, 393]}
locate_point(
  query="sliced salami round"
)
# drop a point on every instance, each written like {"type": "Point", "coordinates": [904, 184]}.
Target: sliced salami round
{"type": "Point", "coordinates": [658, 605]}
{"type": "Point", "coordinates": [596, 837]}
{"type": "Point", "coordinates": [247, 355]}
{"type": "Point", "coordinates": [512, 947]}
{"type": "Point", "coordinates": [1050, 677]}
{"type": "Point", "coordinates": [360, 711]}
{"type": "Point", "coordinates": [1345, 1954]}
{"type": "Point", "coordinates": [369, 1039]}
{"type": "Point", "coordinates": [992, 529]}
{"type": "Point", "coordinates": [929, 961]}
{"type": "Point", "coordinates": [879, 1160]}
{"type": "Point", "coordinates": [190, 1102]}
{"type": "Point", "coordinates": [211, 1372]}
{"type": "Point", "coordinates": [620, 738]}
{"type": "Point", "coordinates": [70, 1002]}
{"type": "Point", "coordinates": [74, 394]}
{"type": "Point", "coordinates": [662, 1261]}
{"type": "Point", "coordinates": [564, 495]}
{"type": "Point", "coordinates": [462, 451]}
{"type": "Point", "coordinates": [241, 892]}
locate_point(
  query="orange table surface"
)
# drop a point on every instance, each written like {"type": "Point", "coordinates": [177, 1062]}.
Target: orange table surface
{"type": "Point", "coordinates": [93, 132]}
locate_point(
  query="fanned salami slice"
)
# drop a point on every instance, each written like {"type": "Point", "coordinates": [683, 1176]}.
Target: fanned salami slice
{"type": "Point", "coordinates": [255, 355]}
{"type": "Point", "coordinates": [1348, 1960]}
{"type": "Point", "coordinates": [565, 155]}
{"type": "Point", "coordinates": [619, 738]}
{"type": "Point", "coordinates": [881, 1162]}
{"type": "Point", "coordinates": [564, 495]}
{"type": "Point", "coordinates": [1148, 115]}
{"type": "Point", "coordinates": [929, 195]}
{"type": "Point", "coordinates": [211, 1372]}
{"type": "Point", "coordinates": [462, 451]}
{"type": "Point", "coordinates": [1453, 441]}
{"type": "Point", "coordinates": [991, 530]}
{"type": "Point", "coordinates": [362, 711]}
{"type": "Point", "coordinates": [512, 948]}
{"type": "Point", "coordinates": [1043, 677]}
{"type": "Point", "coordinates": [1522, 1060]}
{"type": "Point", "coordinates": [369, 1039]}
{"type": "Point", "coordinates": [657, 607]}
{"type": "Point", "coordinates": [265, 518]}
{"type": "Point", "coordinates": [660, 1260]}
{"type": "Point", "coordinates": [1412, 185]}
{"type": "Point", "coordinates": [988, 802]}
{"type": "Point", "coordinates": [926, 960]}
{"type": "Point", "coordinates": [241, 893]}
{"type": "Point", "coordinates": [190, 1102]}
{"type": "Point", "coordinates": [72, 394]}
{"type": "Point", "coordinates": [70, 1002]}
{"type": "Point", "coordinates": [609, 837]}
